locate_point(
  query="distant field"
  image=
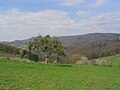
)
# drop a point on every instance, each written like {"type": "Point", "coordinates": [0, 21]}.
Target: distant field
{"type": "Point", "coordinates": [16, 75]}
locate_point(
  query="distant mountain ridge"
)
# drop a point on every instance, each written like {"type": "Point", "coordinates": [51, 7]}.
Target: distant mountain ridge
{"type": "Point", "coordinates": [71, 40]}
{"type": "Point", "coordinates": [87, 38]}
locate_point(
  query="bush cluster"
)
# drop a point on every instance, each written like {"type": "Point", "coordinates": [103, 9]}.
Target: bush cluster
{"type": "Point", "coordinates": [102, 62]}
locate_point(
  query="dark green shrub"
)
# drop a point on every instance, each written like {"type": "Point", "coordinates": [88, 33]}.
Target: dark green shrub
{"type": "Point", "coordinates": [32, 57]}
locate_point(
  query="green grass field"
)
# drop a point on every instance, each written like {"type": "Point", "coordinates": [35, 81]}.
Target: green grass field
{"type": "Point", "coordinates": [16, 75]}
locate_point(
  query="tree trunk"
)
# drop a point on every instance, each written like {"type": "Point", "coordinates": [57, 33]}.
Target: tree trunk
{"type": "Point", "coordinates": [46, 60]}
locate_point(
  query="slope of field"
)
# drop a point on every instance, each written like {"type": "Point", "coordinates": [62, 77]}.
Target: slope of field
{"type": "Point", "coordinates": [16, 75]}
{"type": "Point", "coordinates": [114, 59]}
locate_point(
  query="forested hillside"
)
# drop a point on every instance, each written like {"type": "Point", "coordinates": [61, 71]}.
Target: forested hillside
{"type": "Point", "coordinates": [9, 49]}
{"type": "Point", "coordinates": [72, 40]}
{"type": "Point", "coordinates": [91, 46]}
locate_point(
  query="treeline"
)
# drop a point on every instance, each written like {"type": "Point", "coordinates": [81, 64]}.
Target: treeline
{"type": "Point", "coordinates": [103, 49]}
{"type": "Point", "coordinates": [95, 50]}
{"type": "Point", "coordinates": [9, 49]}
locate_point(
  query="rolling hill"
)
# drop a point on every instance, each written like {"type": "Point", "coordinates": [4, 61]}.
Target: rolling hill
{"type": "Point", "coordinates": [72, 40]}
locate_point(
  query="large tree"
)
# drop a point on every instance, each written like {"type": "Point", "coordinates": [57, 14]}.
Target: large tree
{"type": "Point", "coordinates": [47, 46]}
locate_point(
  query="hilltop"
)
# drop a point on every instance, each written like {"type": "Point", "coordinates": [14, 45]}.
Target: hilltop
{"type": "Point", "coordinates": [72, 40]}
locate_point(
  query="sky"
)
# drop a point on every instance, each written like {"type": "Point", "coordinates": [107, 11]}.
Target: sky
{"type": "Point", "coordinates": [22, 19]}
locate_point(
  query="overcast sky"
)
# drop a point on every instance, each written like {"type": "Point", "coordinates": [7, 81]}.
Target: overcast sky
{"type": "Point", "coordinates": [22, 19]}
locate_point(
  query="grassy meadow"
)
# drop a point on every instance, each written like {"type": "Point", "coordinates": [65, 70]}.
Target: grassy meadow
{"type": "Point", "coordinates": [17, 75]}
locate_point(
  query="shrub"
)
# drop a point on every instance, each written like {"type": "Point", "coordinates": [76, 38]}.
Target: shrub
{"type": "Point", "coordinates": [109, 64]}
{"type": "Point", "coordinates": [102, 62]}
{"type": "Point", "coordinates": [78, 59]}
{"type": "Point", "coordinates": [32, 57]}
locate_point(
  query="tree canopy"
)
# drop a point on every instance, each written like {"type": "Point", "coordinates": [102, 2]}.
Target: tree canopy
{"type": "Point", "coordinates": [49, 47]}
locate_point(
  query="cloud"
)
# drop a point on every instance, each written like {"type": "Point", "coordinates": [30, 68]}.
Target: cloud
{"type": "Point", "coordinates": [71, 2]}
{"type": "Point", "coordinates": [16, 24]}
{"type": "Point", "coordinates": [98, 3]}
{"type": "Point", "coordinates": [83, 13]}
{"type": "Point", "coordinates": [103, 22]}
